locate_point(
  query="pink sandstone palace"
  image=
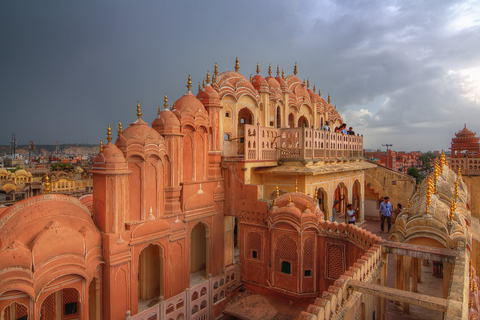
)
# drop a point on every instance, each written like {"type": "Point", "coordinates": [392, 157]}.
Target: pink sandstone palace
{"type": "Point", "coordinates": [226, 191]}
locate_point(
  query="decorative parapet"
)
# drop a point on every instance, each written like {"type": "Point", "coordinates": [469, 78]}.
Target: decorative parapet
{"type": "Point", "coordinates": [272, 144]}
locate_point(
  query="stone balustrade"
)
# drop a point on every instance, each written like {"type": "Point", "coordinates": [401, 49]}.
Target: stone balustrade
{"type": "Point", "coordinates": [272, 144]}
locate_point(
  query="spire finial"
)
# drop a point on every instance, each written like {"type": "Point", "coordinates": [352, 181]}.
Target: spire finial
{"type": "Point", "coordinates": [208, 77]}
{"type": "Point", "coordinates": [275, 202]}
{"type": "Point", "coordinates": [308, 83]}
{"type": "Point", "coordinates": [278, 70]}
{"type": "Point", "coordinates": [295, 69]}
{"type": "Point", "coordinates": [139, 114]}
{"type": "Point", "coordinates": [203, 83]}
{"type": "Point", "coordinates": [319, 93]}
{"type": "Point", "coordinates": [283, 74]}
{"type": "Point", "coordinates": [304, 84]}
{"type": "Point", "coordinates": [47, 184]}
{"type": "Point", "coordinates": [270, 70]}
{"type": "Point", "coordinates": [296, 185]}
{"type": "Point", "coordinates": [189, 83]}
{"type": "Point", "coordinates": [214, 79]}
{"type": "Point", "coordinates": [258, 69]}
{"type": "Point", "coordinates": [216, 71]}
{"type": "Point", "coordinates": [120, 130]}
{"type": "Point", "coordinates": [453, 207]}
{"type": "Point", "coordinates": [165, 102]}
{"type": "Point", "coordinates": [251, 79]}
{"type": "Point", "coordinates": [278, 192]}
{"type": "Point", "coordinates": [289, 198]}
{"type": "Point", "coordinates": [101, 145]}
{"type": "Point", "coordinates": [236, 64]}
{"type": "Point", "coordinates": [109, 134]}
{"type": "Point", "coordinates": [329, 98]}
{"type": "Point", "coordinates": [314, 89]}
{"type": "Point", "coordinates": [199, 87]}
{"type": "Point", "coordinates": [174, 106]}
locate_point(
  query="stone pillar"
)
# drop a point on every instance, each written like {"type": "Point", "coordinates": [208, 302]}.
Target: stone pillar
{"type": "Point", "coordinates": [447, 276]}
{"type": "Point", "coordinates": [414, 275]}
{"type": "Point", "coordinates": [407, 262]}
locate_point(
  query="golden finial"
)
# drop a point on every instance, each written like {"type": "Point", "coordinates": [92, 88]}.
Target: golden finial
{"type": "Point", "coordinates": [436, 171]}
{"type": "Point", "coordinates": [47, 184]}
{"type": "Point", "coordinates": [139, 114]}
{"type": "Point", "coordinates": [306, 207]}
{"type": "Point", "coordinates": [329, 98]}
{"type": "Point", "coordinates": [165, 102]}
{"type": "Point", "coordinates": [456, 189]}
{"type": "Point", "coordinates": [283, 75]}
{"type": "Point", "coordinates": [208, 77]}
{"type": "Point", "coordinates": [120, 130]}
{"type": "Point", "coordinates": [278, 70]}
{"type": "Point", "coordinates": [314, 89]}
{"type": "Point", "coordinates": [319, 93]}
{"type": "Point", "coordinates": [251, 79]}
{"type": "Point", "coordinates": [475, 287]}
{"type": "Point", "coordinates": [442, 161]}
{"type": "Point", "coordinates": [258, 69]}
{"type": "Point", "coordinates": [236, 65]}
{"type": "Point", "coordinates": [304, 84]}
{"type": "Point", "coordinates": [109, 134]}
{"type": "Point", "coordinates": [216, 70]}
{"type": "Point", "coordinates": [189, 83]}
{"type": "Point", "coordinates": [289, 198]}
{"type": "Point", "coordinates": [275, 202]}
{"type": "Point", "coordinates": [214, 79]}
{"type": "Point", "coordinates": [101, 145]}
{"type": "Point", "coordinates": [470, 305]}
{"type": "Point", "coordinates": [308, 83]}
{"type": "Point", "coordinates": [471, 283]}
{"type": "Point", "coordinates": [296, 185]}
{"type": "Point", "coordinates": [199, 87]}
{"type": "Point", "coordinates": [174, 106]}
{"type": "Point", "coordinates": [315, 194]}
{"type": "Point", "coordinates": [452, 209]}
{"type": "Point", "coordinates": [270, 70]}
{"type": "Point", "coordinates": [203, 83]}
{"type": "Point", "coordinates": [429, 194]}
{"type": "Point", "coordinates": [295, 69]}
{"type": "Point", "coordinates": [459, 173]}
{"type": "Point", "coordinates": [278, 192]}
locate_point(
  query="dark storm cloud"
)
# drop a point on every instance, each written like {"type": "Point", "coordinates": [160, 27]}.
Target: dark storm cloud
{"type": "Point", "coordinates": [397, 70]}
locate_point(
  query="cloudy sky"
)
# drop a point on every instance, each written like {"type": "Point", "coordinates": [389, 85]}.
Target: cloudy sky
{"type": "Point", "coordinates": [401, 72]}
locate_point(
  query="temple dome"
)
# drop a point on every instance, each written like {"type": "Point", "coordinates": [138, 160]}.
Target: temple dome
{"type": "Point", "coordinates": [165, 122]}
{"type": "Point", "coordinates": [189, 105]}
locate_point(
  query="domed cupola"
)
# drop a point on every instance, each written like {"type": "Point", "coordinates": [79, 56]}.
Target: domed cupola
{"type": "Point", "coordinates": [110, 156]}
{"type": "Point", "coordinates": [188, 106]}
{"type": "Point", "coordinates": [208, 95]}
{"type": "Point", "coordinates": [139, 132]}
{"type": "Point", "coordinates": [166, 121]}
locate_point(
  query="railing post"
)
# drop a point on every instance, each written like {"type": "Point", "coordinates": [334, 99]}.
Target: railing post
{"type": "Point", "coordinates": [161, 308]}
{"type": "Point", "coordinates": [188, 312]}
{"type": "Point", "coordinates": [303, 142]}
{"type": "Point", "coordinates": [210, 296]}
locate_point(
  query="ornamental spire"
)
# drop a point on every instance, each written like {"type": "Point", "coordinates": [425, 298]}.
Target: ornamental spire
{"type": "Point", "coordinates": [139, 113]}
{"type": "Point", "coordinates": [203, 83]}
{"type": "Point", "coordinates": [278, 192]}
{"type": "Point", "coordinates": [251, 79]}
{"type": "Point", "coordinates": [47, 182]}
{"type": "Point", "coordinates": [216, 70]}
{"type": "Point", "coordinates": [236, 65]}
{"type": "Point", "coordinates": [208, 77]}
{"type": "Point", "coordinates": [101, 145]}
{"type": "Point", "coordinates": [270, 70]}
{"type": "Point", "coordinates": [109, 134]}
{"type": "Point", "coordinates": [295, 69]}
{"type": "Point", "coordinates": [120, 130]}
{"type": "Point", "coordinates": [189, 83]}
{"type": "Point", "coordinates": [283, 75]}
{"type": "Point", "coordinates": [314, 89]}
{"type": "Point", "coordinates": [296, 185]}
{"type": "Point", "coordinates": [308, 83]}
{"type": "Point", "coordinates": [453, 207]}
{"type": "Point", "coordinates": [319, 93]}
{"type": "Point", "coordinates": [278, 70]}
{"type": "Point", "coordinates": [329, 98]}
{"type": "Point", "coordinates": [199, 87]}
{"type": "Point", "coordinates": [165, 102]}
{"type": "Point", "coordinates": [258, 69]}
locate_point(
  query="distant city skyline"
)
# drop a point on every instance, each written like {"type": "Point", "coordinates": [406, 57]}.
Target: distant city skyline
{"type": "Point", "coordinates": [406, 74]}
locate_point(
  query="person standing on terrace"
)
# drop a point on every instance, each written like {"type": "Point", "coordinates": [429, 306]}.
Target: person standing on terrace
{"type": "Point", "coordinates": [385, 213]}
{"type": "Point", "coordinates": [326, 127]}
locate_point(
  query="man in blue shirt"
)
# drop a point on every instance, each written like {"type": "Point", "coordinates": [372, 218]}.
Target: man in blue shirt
{"type": "Point", "coordinates": [386, 213]}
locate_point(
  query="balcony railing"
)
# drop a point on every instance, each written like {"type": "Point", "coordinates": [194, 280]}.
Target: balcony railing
{"type": "Point", "coordinates": [271, 144]}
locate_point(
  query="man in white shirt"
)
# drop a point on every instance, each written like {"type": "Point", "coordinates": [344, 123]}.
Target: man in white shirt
{"type": "Point", "coordinates": [351, 214]}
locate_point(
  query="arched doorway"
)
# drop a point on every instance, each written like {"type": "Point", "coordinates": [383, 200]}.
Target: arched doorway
{"type": "Point", "coordinates": [199, 253]}
{"type": "Point", "coordinates": [302, 122]}
{"type": "Point", "coordinates": [15, 311]}
{"type": "Point", "coordinates": [66, 301]}
{"type": "Point", "coordinates": [340, 199]}
{"type": "Point", "coordinates": [150, 271]}
{"type": "Point", "coordinates": [322, 200]}
{"type": "Point", "coordinates": [279, 118]}
{"type": "Point", "coordinates": [291, 120]}
{"type": "Point", "coordinates": [244, 117]}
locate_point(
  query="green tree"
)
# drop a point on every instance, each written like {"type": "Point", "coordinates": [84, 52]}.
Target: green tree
{"type": "Point", "coordinates": [427, 160]}
{"type": "Point", "coordinates": [413, 172]}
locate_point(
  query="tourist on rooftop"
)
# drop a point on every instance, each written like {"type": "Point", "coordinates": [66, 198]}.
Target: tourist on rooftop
{"type": "Point", "coordinates": [350, 131]}
{"type": "Point", "coordinates": [326, 127]}
{"type": "Point", "coordinates": [385, 213]}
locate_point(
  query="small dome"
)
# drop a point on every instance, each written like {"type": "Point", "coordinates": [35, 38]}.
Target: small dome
{"type": "Point", "coordinates": [259, 81]}
{"type": "Point", "coordinates": [209, 96]}
{"type": "Point", "coordinates": [272, 83]}
{"type": "Point", "coordinates": [142, 132]}
{"type": "Point", "coordinates": [166, 121]}
{"type": "Point", "coordinates": [189, 105]}
{"type": "Point", "coordinates": [112, 154]}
